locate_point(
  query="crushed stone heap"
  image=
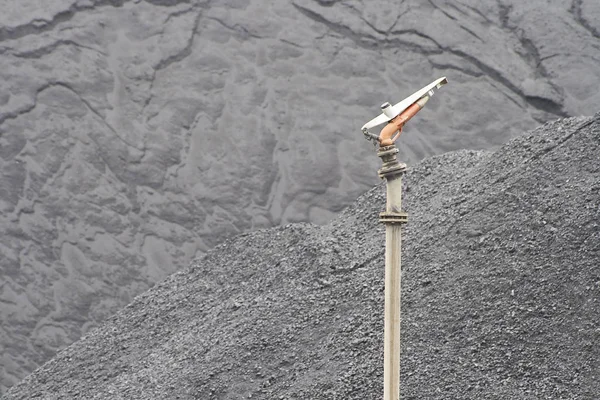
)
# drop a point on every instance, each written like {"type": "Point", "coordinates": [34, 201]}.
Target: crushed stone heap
{"type": "Point", "coordinates": [135, 135]}
{"type": "Point", "coordinates": [500, 300]}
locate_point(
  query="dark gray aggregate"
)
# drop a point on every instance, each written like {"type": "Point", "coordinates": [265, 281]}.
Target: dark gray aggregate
{"type": "Point", "coordinates": [500, 295]}
{"type": "Point", "coordinates": [135, 135]}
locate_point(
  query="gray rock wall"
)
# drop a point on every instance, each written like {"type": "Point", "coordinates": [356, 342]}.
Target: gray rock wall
{"type": "Point", "coordinates": [135, 135]}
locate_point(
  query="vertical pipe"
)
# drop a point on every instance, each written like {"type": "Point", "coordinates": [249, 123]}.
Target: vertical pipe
{"type": "Point", "coordinates": [391, 367]}
{"type": "Point", "coordinates": [393, 218]}
{"type": "Point", "coordinates": [391, 351]}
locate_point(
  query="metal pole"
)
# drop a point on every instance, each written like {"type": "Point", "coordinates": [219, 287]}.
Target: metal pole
{"type": "Point", "coordinates": [393, 218]}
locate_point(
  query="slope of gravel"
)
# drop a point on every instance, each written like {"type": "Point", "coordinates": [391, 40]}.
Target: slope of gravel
{"type": "Point", "coordinates": [500, 296]}
{"type": "Point", "coordinates": [137, 134]}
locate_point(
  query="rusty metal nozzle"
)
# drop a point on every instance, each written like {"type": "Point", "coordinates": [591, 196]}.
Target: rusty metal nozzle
{"type": "Point", "coordinates": [391, 132]}
{"type": "Point", "coordinates": [396, 116]}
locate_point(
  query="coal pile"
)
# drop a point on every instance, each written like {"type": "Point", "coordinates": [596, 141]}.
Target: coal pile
{"type": "Point", "coordinates": [501, 295]}
{"type": "Point", "coordinates": [135, 135]}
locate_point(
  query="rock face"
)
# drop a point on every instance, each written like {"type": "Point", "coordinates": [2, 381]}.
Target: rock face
{"type": "Point", "coordinates": [501, 295]}
{"type": "Point", "coordinates": [136, 135]}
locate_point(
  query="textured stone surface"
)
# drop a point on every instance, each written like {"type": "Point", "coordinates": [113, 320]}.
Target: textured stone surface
{"type": "Point", "coordinates": [135, 135]}
{"type": "Point", "coordinates": [500, 296]}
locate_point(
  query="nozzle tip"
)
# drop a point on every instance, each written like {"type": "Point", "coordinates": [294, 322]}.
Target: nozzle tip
{"type": "Point", "coordinates": [421, 102]}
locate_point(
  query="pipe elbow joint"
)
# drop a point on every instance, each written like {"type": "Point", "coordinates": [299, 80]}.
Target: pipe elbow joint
{"type": "Point", "coordinates": [388, 136]}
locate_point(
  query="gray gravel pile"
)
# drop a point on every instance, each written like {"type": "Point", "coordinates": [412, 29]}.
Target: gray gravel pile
{"type": "Point", "coordinates": [135, 135]}
{"type": "Point", "coordinates": [501, 295]}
